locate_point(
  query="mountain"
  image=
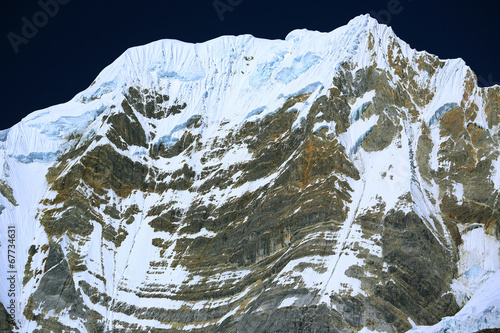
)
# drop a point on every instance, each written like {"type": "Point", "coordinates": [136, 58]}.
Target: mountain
{"type": "Point", "coordinates": [328, 182]}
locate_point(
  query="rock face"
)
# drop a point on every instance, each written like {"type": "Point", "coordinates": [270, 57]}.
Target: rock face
{"type": "Point", "coordinates": [324, 183]}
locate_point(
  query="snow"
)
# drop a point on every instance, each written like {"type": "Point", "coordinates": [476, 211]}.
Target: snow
{"type": "Point", "coordinates": [227, 82]}
{"type": "Point", "coordinates": [481, 311]}
{"type": "Point", "coordinates": [355, 134]}
{"type": "Point", "coordinates": [441, 112]}
{"type": "Point", "coordinates": [227, 315]}
{"type": "Point", "coordinates": [3, 135]}
{"type": "Point", "coordinates": [330, 126]}
{"type": "Point", "coordinates": [37, 157]}
{"type": "Point", "coordinates": [495, 174]}
{"type": "Point", "coordinates": [479, 249]}
{"type": "Point", "coordinates": [458, 190]}
{"type": "Point", "coordinates": [479, 258]}
{"type": "Point", "coordinates": [202, 233]}
{"type": "Point", "coordinates": [299, 65]}
{"type": "Point", "coordinates": [336, 279]}
{"type": "Point", "coordinates": [386, 174]}
{"type": "Point", "coordinates": [306, 106]}
{"type": "Point", "coordinates": [287, 302]}
{"type": "Point", "coordinates": [360, 105]}
{"type": "Point", "coordinates": [366, 330]}
{"type": "Point", "coordinates": [436, 139]}
{"type": "Point", "coordinates": [221, 277]}
{"type": "Point", "coordinates": [449, 80]}
{"type": "Point", "coordinates": [476, 288]}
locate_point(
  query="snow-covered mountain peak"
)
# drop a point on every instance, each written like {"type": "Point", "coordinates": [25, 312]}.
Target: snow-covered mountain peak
{"type": "Point", "coordinates": [257, 65]}
{"type": "Point", "coordinates": [186, 62]}
{"type": "Point", "coordinates": [332, 180]}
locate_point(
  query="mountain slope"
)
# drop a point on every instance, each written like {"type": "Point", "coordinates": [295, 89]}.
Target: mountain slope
{"type": "Point", "coordinates": [328, 182]}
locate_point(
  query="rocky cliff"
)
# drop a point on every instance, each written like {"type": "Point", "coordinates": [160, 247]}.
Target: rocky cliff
{"type": "Point", "coordinates": [328, 182]}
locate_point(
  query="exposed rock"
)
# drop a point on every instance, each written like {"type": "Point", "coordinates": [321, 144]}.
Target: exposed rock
{"type": "Point", "coordinates": [335, 205]}
{"type": "Point", "coordinates": [5, 320]}
{"type": "Point", "coordinates": [7, 192]}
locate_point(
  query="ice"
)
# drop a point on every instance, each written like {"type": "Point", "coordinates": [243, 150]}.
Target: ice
{"type": "Point", "coordinates": [482, 311]}
{"type": "Point", "coordinates": [361, 104]}
{"type": "Point", "coordinates": [449, 80]}
{"type": "Point", "coordinates": [360, 140]}
{"type": "Point", "coordinates": [441, 112]}
{"type": "Point", "coordinates": [321, 125]}
{"type": "Point", "coordinates": [3, 135]}
{"type": "Point", "coordinates": [310, 88]}
{"type": "Point", "coordinates": [166, 141]}
{"type": "Point", "coordinates": [183, 77]}
{"type": "Point", "coordinates": [359, 111]}
{"type": "Point", "coordinates": [356, 133]}
{"type": "Point", "coordinates": [169, 69]}
{"type": "Point", "coordinates": [477, 285]}
{"type": "Point", "coordinates": [256, 112]}
{"type": "Point", "coordinates": [175, 134]}
{"type": "Point", "coordinates": [36, 157]}
{"type": "Point", "coordinates": [264, 71]}
{"type": "Point", "coordinates": [299, 66]}
{"type": "Point", "coordinates": [65, 118]}
{"type": "Point", "coordinates": [478, 249]}
{"type": "Point", "coordinates": [105, 88]}
{"type": "Point", "coordinates": [24, 140]}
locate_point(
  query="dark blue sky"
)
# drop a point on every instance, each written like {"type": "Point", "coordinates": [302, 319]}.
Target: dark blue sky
{"type": "Point", "coordinates": [71, 46]}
